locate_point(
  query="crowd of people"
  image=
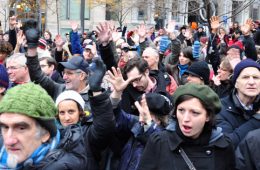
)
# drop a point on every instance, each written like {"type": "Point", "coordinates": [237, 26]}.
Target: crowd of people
{"type": "Point", "coordinates": [130, 99]}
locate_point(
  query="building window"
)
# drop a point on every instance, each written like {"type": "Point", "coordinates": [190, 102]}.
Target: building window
{"type": "Point", "coordinates": [175, 9]}
{"type": "Point", "coordinates": [70, 10]}
{"type": "Point", "coordinates": [142, 13]}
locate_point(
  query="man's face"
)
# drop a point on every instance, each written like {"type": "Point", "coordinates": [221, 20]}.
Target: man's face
{"type": "Point", "coordinates": [48, 70]}
{"type": "Point", "coordinates": [21, 136]}
{"type": "Point", "coordinates": [233, 53]}
{"type": "Point", "coordinates": [16, 72]}
{"type": "Point", "coordinates": [141, 82]}
{"type": "Point", "coordinates": [151, 58]}
{"type": "Point", "coordinates": [87, 54]}
{"type": "Point", "coordinates": [194, 79]}
{"type": "Point", "coordinates": [72, 79]}
{"type": "Point", "coordinates": [248, 82]}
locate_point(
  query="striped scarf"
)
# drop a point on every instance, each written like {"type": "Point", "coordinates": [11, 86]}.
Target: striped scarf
{"type": "Point", "coordinates": [36, 156]}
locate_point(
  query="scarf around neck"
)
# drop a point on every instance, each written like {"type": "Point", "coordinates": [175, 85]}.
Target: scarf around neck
{"type": "Point", "coordinates": [182, 69]}
{"type": "Point", "coordinates": [35, 157]}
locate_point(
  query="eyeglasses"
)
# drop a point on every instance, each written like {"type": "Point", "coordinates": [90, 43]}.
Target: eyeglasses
{"type": "Point", "coordinates": [221, 68]}
{"type": "Point", "coordinates": [69, 73]}
{"type": "Point", "coordinates": [137, 80]}
{"type": "Point", "coordinates": [43, 65]}
{"type": "Point", "coordinates": [12, 68]}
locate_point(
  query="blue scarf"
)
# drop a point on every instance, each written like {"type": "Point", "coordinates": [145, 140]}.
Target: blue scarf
{"type": "Point", "coordinates": [182, 69]}
{"type": "Point", "coordinates": [36, 156]}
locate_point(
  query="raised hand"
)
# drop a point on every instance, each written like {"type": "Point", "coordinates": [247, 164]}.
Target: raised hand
{"type": "Point", "coordinates": [144, 113]}
{"type": "Point", "coordinates": [117, 80]}
{"type": "Point", "coordinates": [74, 26]}
{"type": "Point", "coordinates": [214, 22]}
{"type": "Point", "coordinates": [104, 33]}
{"type": "Point", "coordinates": [31, 32]}
{"type": "Point", "coordinates": [171, 26]}
{"type": "Point", "coordinates": [141, 30]}
{"type": "Point", "coordinates": [20, 37]}
{"type": "Point", "coordinates": [98, 70]}
{"type": "Point", "coordinates": [59, 41]}
{"type": "Point", "coordinates": [248, 25]}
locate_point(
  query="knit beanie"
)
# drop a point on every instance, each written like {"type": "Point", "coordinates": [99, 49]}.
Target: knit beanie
{"type": "Point", "coordinates": [242, 65]}
{"type": "Point", "coordinates": [202, 92]}
{"type": "Point", "coordinates": [196, 49]}
{"type": "Point", "coordinates": [70, 95]}
{"type": "Point", "coordinates": [4, 80]}
{"type": "Point", "coordinates": [158, 104]}
{"type": "Point", "coordinates": [33, 101]}
{"type": "Point", "coordinates": [199, 69]}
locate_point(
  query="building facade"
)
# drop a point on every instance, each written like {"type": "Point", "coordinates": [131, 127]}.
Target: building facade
{"type": "Point", "coordinates": [56, 15]}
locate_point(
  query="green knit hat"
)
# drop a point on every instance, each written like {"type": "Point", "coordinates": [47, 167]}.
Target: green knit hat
{"type": "Point", "coordinates": [33, 101]}
{"type": "Point", "coordinates": [203, 92]}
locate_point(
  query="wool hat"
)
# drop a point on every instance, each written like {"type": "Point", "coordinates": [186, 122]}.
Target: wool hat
{"type": "Point", "coordinates": [42, 42]}
{"type": "Point", "coordinates": [158, 103]}
{"type": "Point", "coordinates": [75, 63]}
{"type": "Point", "coordinates": [33, 101]}
{"type": "Point", "coordinates": [202, 92]}
{"type": "Point", "coordinates": [4, 80]}
{"type": "Point", "coordinates": [242, 65]}
{"type": "Point", "coordinates": [199, 69]}
{"type": "Point", "coordinates": [70, 95]}
{"type": "Point", "coordinates": [196, 49]}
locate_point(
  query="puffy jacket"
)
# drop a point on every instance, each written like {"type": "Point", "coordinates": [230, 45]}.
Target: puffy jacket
{"type": "Point", "coordinates": [234, 120]}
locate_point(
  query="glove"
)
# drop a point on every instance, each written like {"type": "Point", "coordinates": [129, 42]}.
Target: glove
{"type": "Point", "coordinates": [97, 71]}
{"type": "Point", "coordinates": [31, 32]}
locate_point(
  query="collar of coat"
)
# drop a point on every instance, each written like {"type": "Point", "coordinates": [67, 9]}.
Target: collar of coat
{"type": "Point", "coordinates": [174, 140]}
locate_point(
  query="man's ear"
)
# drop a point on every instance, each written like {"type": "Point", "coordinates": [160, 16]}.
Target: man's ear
{"type": "Point", "coordinates": [2, 90]}
{"type": "Point", "coordinates": [45, 137]}
{"type": "Point", "coordinates": [146, 72]}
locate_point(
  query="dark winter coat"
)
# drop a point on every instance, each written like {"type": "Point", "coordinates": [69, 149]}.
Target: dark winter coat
{"type": "Point", "coordinates": [224, 89]}
{"type": "Point", "coordinates": [162, 152]}
{"type": "Point", "coordinates": [133, 149]}
{"type": "Point", "coordinates": [235, 121]}
{"type": "Point", "coordinates": [131, 94]}
{"type": "Point", "coordinates": [247, 156]}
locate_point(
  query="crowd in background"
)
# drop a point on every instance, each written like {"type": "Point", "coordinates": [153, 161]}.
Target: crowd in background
{"type": "Point", "coordinates": [130, 99]}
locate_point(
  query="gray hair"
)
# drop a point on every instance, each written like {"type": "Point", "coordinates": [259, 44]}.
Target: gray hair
{"type": "Point", "coordinates": [18, 57]}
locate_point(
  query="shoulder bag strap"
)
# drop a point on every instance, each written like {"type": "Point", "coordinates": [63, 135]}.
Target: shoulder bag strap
{"type": "Point", "coordinates": [186, 159]}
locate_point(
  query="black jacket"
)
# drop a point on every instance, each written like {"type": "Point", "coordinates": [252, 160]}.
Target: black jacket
{"type": "Point", "coordinates": [81, 145]}
{"type": "Point", "coordinates": [162, 153]}
{"type": "Point", "coordinates": [246, 155]}
{"type": "Point", "coordinates": [235, 121]}
{"type": "Point", "coordinates": [131, 94]}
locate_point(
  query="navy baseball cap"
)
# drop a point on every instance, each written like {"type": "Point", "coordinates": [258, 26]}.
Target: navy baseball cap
{"type": "Point", "coordinates": [76, 63]}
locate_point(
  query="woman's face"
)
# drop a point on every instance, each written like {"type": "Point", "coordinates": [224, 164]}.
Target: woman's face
{"type": "Point", "coordinates": [183, 60]}
{"type": "Point", "coordinates": [192, 117]}
{"type": "Point", "coordinates": [221, 31]}
{"type": "Point", "coordinates": [68, 112]}
{"type": "Point", "coordinates": [47, 36]}
{"type": "Point", "coordinates": [223, 73]}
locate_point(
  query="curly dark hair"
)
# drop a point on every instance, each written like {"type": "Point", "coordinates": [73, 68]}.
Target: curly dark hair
{"type": "Point", "coordinates": [6, 47]}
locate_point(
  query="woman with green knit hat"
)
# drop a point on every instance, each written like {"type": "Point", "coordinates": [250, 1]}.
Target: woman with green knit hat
{"type": "Point", "coordinates": [192, 140]}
